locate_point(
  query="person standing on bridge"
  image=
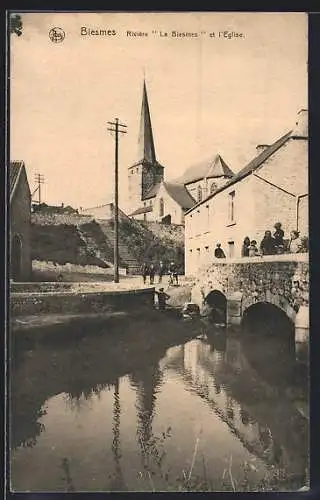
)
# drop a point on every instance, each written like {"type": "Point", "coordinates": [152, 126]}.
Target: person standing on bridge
{"type": "Point", "coordinates": [253, 250]}
{"type": "Point", "coordinates": [245, 247]}
{"type": "Point", "coordinates": [295, 245]}
{"type": "Point", "coordinates": [267, 245]}
{"type": "Point", "coordinates": [219, 253]}
{"type": "Point", "coordinates": [278, 237]}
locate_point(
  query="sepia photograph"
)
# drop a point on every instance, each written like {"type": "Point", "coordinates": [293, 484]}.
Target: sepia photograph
{"type": "Point", "coordinates": [158, 252]}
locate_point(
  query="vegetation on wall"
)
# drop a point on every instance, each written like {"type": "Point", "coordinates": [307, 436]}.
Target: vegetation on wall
{"type": "Point", "coordinates": [61, 244]}
{"type": "Point", "coordinates": [146, 245]}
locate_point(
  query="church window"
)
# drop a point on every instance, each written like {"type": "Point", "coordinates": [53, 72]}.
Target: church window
{"type": "Point", "coordinates": [231, 207]}
{"type": "Point", "coordinates": [161, 210]}
{"type": "Point", "coordinates": [213, 187]}
{"type": "Point", "coordinates": [137, 170]}
{"type": "Point", "coordinates": [199, 193]}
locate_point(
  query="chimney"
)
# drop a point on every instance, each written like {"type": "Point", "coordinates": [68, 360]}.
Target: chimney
{"type": "Point", "coordinates": [261, 147]}
{"type": "Point", "coordinates": [300, 130]}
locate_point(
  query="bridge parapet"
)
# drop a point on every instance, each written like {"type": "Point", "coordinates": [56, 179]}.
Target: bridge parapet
{"type": "Point", "coordinates": [282, 280]}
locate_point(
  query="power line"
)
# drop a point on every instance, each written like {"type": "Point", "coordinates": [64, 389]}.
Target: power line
{"type": "Point", "coordinates": [39, 179]}
{"type": "Point", "coordinates": [117, 128]}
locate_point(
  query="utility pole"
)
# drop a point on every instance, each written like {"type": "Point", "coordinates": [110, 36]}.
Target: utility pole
{"type": "Point", "coordinates": [116, 128]}
{"type": "Point", "coordinates": [39, 180]}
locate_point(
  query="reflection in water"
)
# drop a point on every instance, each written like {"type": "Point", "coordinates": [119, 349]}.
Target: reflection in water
{"type": "Point", "coordinates": [235, 383]}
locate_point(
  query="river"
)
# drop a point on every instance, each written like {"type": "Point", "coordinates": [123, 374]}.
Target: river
{"type": "Point", "coordinates": [156, 403]}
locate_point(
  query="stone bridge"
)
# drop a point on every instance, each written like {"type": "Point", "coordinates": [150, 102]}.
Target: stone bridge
{"type": "Point", "coordinates": [281, 280]}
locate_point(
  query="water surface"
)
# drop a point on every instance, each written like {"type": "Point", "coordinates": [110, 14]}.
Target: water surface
{"type": "Point", "coordinates": [157, 403]}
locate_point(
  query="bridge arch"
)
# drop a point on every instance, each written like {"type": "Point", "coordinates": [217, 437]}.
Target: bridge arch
{"type": "Point", "coordinates": [268, 317]}
{"type": "Point", "coordinates": [279, 301]}
{"type": "Point", "coordinates": [217, 302]}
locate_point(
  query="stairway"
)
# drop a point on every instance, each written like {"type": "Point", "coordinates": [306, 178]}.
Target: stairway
{"type": "Point", "coordinates": [92, 247]}
{"type": "Point", "coordinates": [126, 257]}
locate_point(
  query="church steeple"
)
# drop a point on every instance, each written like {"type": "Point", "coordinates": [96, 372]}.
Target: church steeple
{"type": "Point", "coordinates": [146, 150]}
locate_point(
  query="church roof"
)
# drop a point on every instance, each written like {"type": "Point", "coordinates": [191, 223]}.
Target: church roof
{"type": "Point", "coordinates": [15, 170]}
{"type": "Point", "coordinates": [146, 149]}
{"type": "Point", "coordinates": [180, 194]}
{"type": "Point", "coordinates": [253, 165]}
{"type": "Point", "coordinates": [213, 167]}
{"type": "Point", "coordinates": [141, 210]}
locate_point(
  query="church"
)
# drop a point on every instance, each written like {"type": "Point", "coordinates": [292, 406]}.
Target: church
{"type": "Point", "coordinates": [151, 197]}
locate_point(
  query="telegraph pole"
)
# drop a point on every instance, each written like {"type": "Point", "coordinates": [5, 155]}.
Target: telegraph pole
{"type": "Point", "coordinates": [116, 128]}
{"type": "Point", "coordinates": [39, 179]}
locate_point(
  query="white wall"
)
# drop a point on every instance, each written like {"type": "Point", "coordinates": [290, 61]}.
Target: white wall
{"type": "Point", "coordinates": [209, 223]}
{"type": "Point", "coordinates": [171, 207]}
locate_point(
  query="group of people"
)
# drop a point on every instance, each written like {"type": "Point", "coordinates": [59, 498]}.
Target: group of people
{"type": "Point", "coordinates": [271, 244]}
{"type": "Point", "coordinates": [150, 269]}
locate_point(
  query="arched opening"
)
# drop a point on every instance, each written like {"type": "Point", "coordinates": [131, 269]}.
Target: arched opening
{"type": "Point", "coordinates": [268, 344]}
{"type": "Point", "coordinates": [217, 303]}
{"type": "Point", "coordinates": [267, 319]}
{"type": "Point", "coordinates": [16, 255]}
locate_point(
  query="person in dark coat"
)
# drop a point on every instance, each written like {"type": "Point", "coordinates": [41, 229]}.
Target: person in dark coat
{"type": "Point", "coordinates": [173, 270]}
{"type": "Point", "coordinates": [278, 237]}
{"type": "Point", "coordinates": [267, 245]}
{"type": "Point", "coordinates": [219, 253]}
{"type": "Point", "coordinates": [162, 298]}
{"type": "Point", "coordinates": [144, 272]}
{"type": "Point", "coordinates": [245, 247]}
{"type": "Point", "coordinates": [161, 270]}
{"type": "Point", "coordinates": [152, 272]}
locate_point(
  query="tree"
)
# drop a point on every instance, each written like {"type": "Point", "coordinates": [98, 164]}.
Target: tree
{"type": "Point", "coordinates": [16, 24]}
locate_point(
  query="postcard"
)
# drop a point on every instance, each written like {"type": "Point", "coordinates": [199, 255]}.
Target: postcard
{"type": "Point", "coordinates": [158, 337]}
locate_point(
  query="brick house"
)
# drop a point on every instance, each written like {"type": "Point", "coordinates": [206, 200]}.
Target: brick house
{"type": "Point", "coordinates": [20, 222]}
{"type": "Point", "coordinates": [273, 187]}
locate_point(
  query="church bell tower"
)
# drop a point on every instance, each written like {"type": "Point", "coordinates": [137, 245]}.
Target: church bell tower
{"type": "Point", "coordinates": [146, 172]}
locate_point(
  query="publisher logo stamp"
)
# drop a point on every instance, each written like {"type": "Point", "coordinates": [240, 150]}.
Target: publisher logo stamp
{"type": "Point", "coordinates": [57, 35]}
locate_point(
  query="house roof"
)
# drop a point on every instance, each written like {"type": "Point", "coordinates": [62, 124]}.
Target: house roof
{"type": "Point", "coordinates": [152, 192]}
{"type": "Point", "coordinates": [141, 210]}
{"type": "Point", "coordinates": [15, 170]}
{"type": "Point", "coordinates": [180, 194]}
{"type": "Point", "coordinates": [252, 166]}
{"type": "Point", "coordinates": [212, 167]}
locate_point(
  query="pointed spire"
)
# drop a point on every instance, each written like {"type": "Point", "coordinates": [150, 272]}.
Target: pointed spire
{"type": "Point", "coordinates": [146, 144]}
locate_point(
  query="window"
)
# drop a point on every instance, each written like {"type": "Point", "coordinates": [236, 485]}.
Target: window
{"type": "Point", "coordinates": [231, 249]}
{"type": "Point", "coordinates": [213, 187]}
{"type": "Point", "coordinates": [208, 218]}
{"type": "Point", "coordinates": [137, 170]}
{"type": "Point", "coordinates": [199, 194]}
{"type": "Point", "coordinates": [231, 207]}
{"type": "Point", "coordinates": [161, 209]}
{"type": "Point", "coordinates": [144, 203]}
{"type": "Point", "coordinates": [144, 217]}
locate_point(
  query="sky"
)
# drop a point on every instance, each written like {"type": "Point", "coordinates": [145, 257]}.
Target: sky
{"type": "Point", "coordinates": [207, 94]}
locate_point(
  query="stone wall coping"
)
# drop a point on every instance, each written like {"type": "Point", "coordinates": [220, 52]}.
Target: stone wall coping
{"type": "Point", "coordinates": [79, 292]}
{"type": "Point", "coordinates": [294, 257]}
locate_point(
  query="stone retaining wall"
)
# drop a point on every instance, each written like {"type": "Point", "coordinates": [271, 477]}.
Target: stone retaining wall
{"type": "Point", "coordinates": [24, 304]}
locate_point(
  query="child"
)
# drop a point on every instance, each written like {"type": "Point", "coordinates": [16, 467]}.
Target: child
{"type": "Point", "coordinates": [162, 297]}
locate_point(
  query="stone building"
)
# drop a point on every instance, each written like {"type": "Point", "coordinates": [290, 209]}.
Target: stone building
{"type": "Point", "coordinates": [273, 187]}
{"type": "Point", "coordinates": [153, 198]}
{"type": "Point", "coordinates": [20, 223]}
